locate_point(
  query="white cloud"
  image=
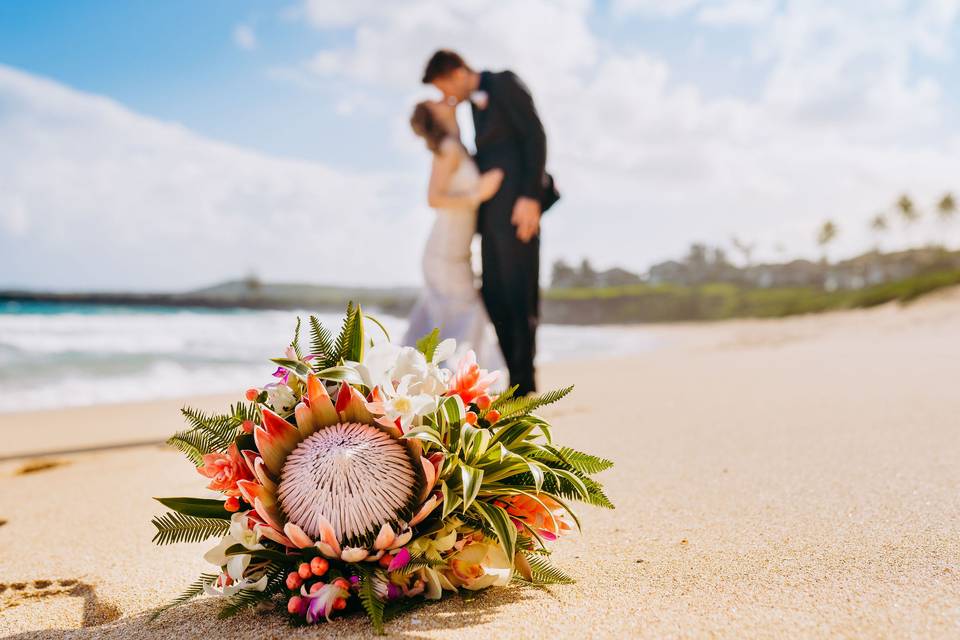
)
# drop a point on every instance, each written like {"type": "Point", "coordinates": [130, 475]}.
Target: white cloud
{"type": "Point", "coordinates": [245, 37]}
{"type": "Point", "coordinates": [840, 125]}
{"type": "Point", "coordinates": [104, 198]}
{"type": "Point", "coordinates": [659, 8]}
{"type": "Point", "coordinates": [736, 12]}
{"type": "Point", "coordinates": [543, 39]}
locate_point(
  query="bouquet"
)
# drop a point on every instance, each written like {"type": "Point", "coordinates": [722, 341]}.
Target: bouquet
{"type": "Point", "coordinates": [369, 476]}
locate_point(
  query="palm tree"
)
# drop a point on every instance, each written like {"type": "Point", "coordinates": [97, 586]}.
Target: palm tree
{"type": "Point", "coordinates": [827, 233]}
{"type": "Point", "coordinates": [879, 226]}
{"type": "Point", "coordinates": [908, 212]}
{"type": "Point", "coordinates": [745, 249]}
{"type": "Point", "coordinates": [946, 209]}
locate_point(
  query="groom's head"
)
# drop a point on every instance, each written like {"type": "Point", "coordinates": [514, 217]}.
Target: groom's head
{"type": "Point", "coordinates": [447, 71]}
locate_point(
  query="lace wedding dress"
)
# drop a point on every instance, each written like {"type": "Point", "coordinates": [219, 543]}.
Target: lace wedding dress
{"type": "Point", "coordinates": [449, 299]}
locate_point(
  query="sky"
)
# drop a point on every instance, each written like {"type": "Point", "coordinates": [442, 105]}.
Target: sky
{"type": "Point", "coordinates": [169, 145]}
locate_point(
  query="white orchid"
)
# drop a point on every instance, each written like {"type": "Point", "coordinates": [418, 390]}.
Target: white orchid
{"type": "Point", "coordinates": [387, 365]}
{"type": "Point", "coordinates": [239, 533]}
{"type": "Point", "coordinates": [400, 402]}
{"type": "Point", "coordinates": [435, 583]}
{"type": "Point", "coordinates": [280, 397]}
{"type": "Point", "coordinates": [235, 587]}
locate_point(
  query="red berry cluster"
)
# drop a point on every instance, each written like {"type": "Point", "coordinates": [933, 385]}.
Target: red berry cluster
{"type": "Point", "coordinates": [310, 573]}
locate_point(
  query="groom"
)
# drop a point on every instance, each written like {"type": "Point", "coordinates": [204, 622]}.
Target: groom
{"type": "Point", "coordinates": [509, 136]}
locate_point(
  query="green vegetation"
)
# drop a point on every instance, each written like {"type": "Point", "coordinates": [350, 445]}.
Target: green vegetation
{"type": "Point", "coordinates": [670, 302]}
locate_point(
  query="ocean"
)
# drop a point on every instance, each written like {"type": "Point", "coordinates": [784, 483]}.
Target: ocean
{"type": "Point", "coordinates": [54, 355]}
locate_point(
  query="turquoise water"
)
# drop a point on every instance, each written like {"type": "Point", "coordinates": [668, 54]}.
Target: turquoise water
{"type": "Point", "coordinates": [78, 354]}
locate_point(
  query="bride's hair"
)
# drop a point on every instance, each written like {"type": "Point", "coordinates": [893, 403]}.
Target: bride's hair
{"type": "Point", "coordinates": [426, 125]}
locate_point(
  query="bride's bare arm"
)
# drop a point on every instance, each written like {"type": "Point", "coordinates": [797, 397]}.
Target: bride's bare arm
{"type": "Point", "coordinates": [445, 164]}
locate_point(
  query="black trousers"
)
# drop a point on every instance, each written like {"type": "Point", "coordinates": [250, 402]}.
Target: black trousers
{"type": "Point", "coordinates": [511, 288]}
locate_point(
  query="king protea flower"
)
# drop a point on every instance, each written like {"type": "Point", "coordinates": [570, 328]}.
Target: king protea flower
{"type": "Point", "coordinates": [338, 479]}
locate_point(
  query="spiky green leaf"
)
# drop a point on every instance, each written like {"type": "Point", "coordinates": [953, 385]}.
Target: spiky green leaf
{"type": "Point", "coordinates": [192, 443]}
{"type": "Point", "coordinates": [544, 572]}
{"type": "Point", "coordinates": [295, 343]}
{"type": "Point", "coordinates": [175, 527]}
{"type": "Point", "coordinates": [504, 397]}
{"type": "Point", "coordinates": [195, 589]}
{"type": "Point", "coordinates": [580, 461]}
{"type": "Point", "coordinates": [372, 604]}
{"type": "Point", "coordinates": [350, 343]}
{"type": "Point", "coordinates": [526, 405]}
{"type": "Point", "coordinates": [321, 344]}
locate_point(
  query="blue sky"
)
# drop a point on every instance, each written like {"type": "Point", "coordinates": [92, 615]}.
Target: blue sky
{"type": "Point", "coordinates": [670, 121]}
{"type": "Point", "coordinates": [177, 60]}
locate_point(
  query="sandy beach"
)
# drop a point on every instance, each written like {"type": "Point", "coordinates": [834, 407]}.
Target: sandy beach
{"type": "Point", "coordinates": [774, 478]}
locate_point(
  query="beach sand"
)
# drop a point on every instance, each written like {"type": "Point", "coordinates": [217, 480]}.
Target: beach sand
{"type": "Point", "coordinates": [776, 478]}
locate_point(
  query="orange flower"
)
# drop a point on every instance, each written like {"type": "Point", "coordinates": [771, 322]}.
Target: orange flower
{"type": "Point", "coordinates": [470, 381]}
{"type": "Point", "coordinates": [544, 515]}
{"type": "Point", "coordinates": [224, 470]}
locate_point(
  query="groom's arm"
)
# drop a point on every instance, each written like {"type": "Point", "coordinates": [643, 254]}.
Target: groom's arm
{"type": "Point", "coordinates": [519, 108]}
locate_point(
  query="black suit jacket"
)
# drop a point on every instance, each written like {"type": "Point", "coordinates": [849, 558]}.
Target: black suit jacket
{"type": "Point", "coordinates": [509, 135]}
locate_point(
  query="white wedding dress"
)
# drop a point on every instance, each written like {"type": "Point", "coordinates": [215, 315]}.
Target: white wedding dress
{"type": "Point", "coordinates": [449, 299]}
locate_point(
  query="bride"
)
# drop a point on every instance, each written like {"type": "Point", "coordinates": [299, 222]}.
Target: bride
{"type": "Point", "coordinates": [450, 300]}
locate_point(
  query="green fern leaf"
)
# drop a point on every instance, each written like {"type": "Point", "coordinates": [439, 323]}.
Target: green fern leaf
{"type": "Point", "coordinates": [173, 527]}
{"type": "Point", "coordinates": [209, 433]}
{"type": "Point", "coordinates": [372, 603]}
{"type": "Point", "coordinates": [524, 406]}
{"type": "Point", "coordinates": [321, 344]}
{"type": "Point", "coordinates": [193, 444]}
{"type": "Point", "coordinates": [295, 343]}
{"type": "Point", "coordinates": [579, 461]}
{"type": "Point", "coordinates": [504, 397]}
{"type": "Point", "coordinates": [342, 345]}
{"type": "Point", "coordinates": [545, 573]}
{"type": "Point", "coordinates": [191, 592]}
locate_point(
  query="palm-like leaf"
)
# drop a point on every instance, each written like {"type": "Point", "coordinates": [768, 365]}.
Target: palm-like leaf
{"type": "Point", "coordinates": [544, 572]}
{"type": "Point", "coordinates": [580, 461]}
{"type": "Point", "coordinates": [371, 602]}
{"type": "Point", "coordinates": [295, 343]}
{"type": "Point", "coordinates": [193, 444]}
{"type": "Point", "coordinates": [524, 406]}
{"type": "Point", "coordinates": [175, 527]}
{"type": "Point", "coordinates": [321, 344]}
{"type": "Point", "coordinates": [191, 592]}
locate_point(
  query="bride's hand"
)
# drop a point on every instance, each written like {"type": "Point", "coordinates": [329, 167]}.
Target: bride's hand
{"type": "Point", "coordinates": [489, 184]}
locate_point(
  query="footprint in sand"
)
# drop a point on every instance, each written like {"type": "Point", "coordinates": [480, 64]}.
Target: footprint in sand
{"type": "Point", "coordinates": [95, 611]}
{"type": "Point", "coordinates": [38, 465]}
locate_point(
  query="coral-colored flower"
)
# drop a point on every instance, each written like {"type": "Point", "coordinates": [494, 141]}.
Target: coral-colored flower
{"type": "Point", "coordinates": [225, 470]}
{"type": "Point", "coordinates": [544, 515]}
{"type": "Point", "coordinates": [470, 381]}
